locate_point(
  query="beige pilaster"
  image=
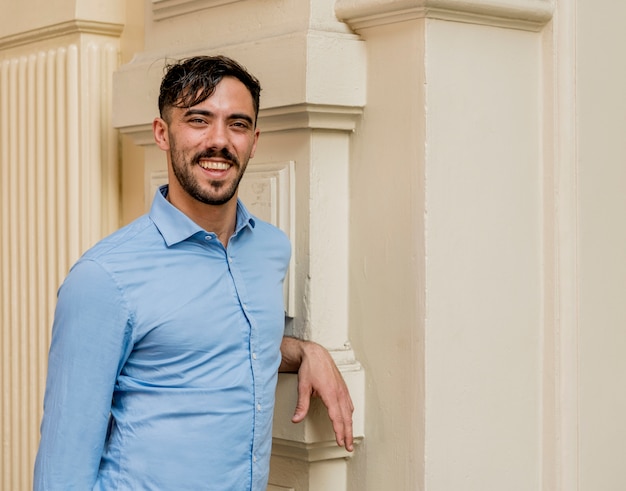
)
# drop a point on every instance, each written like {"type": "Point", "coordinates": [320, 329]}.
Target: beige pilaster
{"type": "Point", "coordinates": [58, 187]}
{"type": "Point", "coordinates": [447, 244]}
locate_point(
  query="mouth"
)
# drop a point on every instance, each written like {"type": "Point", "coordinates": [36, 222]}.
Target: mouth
{"type": "Point", "coordinates": [212, 165]}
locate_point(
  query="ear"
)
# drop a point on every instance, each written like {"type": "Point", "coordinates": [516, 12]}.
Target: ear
{"type": "Point", "coordinates": [161, 135]}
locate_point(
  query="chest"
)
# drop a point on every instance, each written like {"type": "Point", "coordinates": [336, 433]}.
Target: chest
{"type": "Point", "coordinates": [200, 314]}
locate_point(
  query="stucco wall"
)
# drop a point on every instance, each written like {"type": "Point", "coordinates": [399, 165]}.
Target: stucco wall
{"type": "Point", "coordinates": [601, 101]}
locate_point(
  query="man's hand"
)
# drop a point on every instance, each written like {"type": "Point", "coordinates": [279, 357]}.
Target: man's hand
{"type": "Point", "coordinates": [318, 376]}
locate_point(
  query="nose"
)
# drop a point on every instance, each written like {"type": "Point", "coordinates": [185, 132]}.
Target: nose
{"type": "Point", "coordinates": [218, 136]}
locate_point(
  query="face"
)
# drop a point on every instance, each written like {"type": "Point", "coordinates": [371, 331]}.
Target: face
{"type": "Point", "coordinates": [209, 145]}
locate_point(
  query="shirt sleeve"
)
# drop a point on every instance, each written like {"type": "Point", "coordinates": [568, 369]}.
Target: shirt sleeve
{"type": "Point", "coordinates": [91, 339]}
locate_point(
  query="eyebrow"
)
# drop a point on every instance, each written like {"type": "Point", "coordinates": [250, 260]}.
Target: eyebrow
{"type": "Point", "coordinates": [204, 112]}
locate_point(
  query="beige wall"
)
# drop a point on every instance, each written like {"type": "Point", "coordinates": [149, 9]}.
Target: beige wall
{"type": "Point", "coordinates": [601, 102]}
{"type": "Point", "coordinates": [452, 176]}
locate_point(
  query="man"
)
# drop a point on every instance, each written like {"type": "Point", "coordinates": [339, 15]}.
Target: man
{"type": "Point", "coordinates": [168, 335]}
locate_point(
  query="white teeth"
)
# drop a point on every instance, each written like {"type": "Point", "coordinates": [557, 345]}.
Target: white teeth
{"type": "Point", "coordinates": [214, 165]}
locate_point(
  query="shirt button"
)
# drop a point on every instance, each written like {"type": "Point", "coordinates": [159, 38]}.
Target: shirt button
{"type": "Point", "coordinates": [208, 237]}
{"type": "Point", "coordinates": [258, 407]}
{"type": "Point", "coordinates": [254, 356]}
{"type": "Point", "coordinates": [254, 458]}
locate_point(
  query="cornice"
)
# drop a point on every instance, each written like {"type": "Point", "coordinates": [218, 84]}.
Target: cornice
{"type": "Point", "coordinates": [164, 9]}
{"type": "Point", "coordinates": [76, 26]}
{"type": "Point", "coordinates": [141, 134]}
{"type": "Point", "coordinates": [530, 15]}
{"type": "Point", "coordinates": [309, 116]}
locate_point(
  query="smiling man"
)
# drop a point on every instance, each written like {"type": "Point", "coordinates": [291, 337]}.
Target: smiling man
{"type": "Point", "coordinates": [168, 334]}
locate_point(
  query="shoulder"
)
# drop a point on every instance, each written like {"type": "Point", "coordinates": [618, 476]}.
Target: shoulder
{"type": "Point", "coordinates": [267, 232]}
{"type": "Point", "coordinates": [119, 251]}
{"type": "Point", "coordinates": [266, 228]}
{"type": "Point", "coordinates": [103, 267]}
{"type": "Point", "coordinates": [127, 238]}
{"type": "Point", "coordinates": [261, 231]}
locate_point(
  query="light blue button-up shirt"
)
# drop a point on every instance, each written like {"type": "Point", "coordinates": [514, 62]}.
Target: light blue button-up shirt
{"type": "Point", "coordinates": [164, 357]}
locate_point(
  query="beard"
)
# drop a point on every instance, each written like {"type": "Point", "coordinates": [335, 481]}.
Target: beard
{"type": "Point", "coordinates": [213, 192]}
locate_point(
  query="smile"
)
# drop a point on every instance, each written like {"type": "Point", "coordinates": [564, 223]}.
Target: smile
{"type": "Point", "coordinates": [211, 165]}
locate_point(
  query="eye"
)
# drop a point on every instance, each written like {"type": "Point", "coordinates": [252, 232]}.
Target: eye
{"type": "Point", "coordinates": [241, 124]}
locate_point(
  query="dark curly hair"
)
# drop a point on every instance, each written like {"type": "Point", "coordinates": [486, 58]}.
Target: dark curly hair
{"type": "Point", "coordinates": [190, 81]}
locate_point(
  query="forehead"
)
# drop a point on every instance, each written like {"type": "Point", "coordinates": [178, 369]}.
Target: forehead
{"type": "Point", "coordinates": [230, 94]}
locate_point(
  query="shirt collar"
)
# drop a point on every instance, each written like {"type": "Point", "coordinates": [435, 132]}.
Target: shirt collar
{"type": "Point", "coordinates": [174, 226]}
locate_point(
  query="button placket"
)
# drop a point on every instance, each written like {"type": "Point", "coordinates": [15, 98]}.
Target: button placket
{"type": "Point", "coordinates": [241, 293]}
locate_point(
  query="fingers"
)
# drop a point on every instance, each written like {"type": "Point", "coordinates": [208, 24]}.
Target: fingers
{"type": "Point", "coordinates": [340, 413]}
{"type": "Point", "coordinates": [348, 436]}
{"type": "Point", "coordinates": [303, 404]}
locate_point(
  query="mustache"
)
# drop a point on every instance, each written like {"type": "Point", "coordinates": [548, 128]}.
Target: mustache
{"type": "Point", "coordinates": [219, 153]}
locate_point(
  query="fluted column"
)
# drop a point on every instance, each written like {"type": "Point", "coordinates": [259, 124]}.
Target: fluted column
{"type": "Point", "coordinates": [58, 180]}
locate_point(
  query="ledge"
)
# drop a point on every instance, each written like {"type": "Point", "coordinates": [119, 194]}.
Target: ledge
{"type": "Point", "coordinates": [530, 15]}
{"type": "Point", "coordinates": [309, 116]}
{"type": "Point", "coordinates": [311, 452]}
{"type": "Point", "coordinates": [141, 134]}
{"type": "Point", "coordinates": [59, 30]}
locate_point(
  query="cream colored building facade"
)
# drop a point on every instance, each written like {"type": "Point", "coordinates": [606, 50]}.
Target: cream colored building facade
{"type": "Point", "coordinates": [452, 175]}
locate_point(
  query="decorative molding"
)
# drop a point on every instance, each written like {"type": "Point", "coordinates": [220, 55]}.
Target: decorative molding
{"type": "Point", "coordinates": [268, 191]}
{"type": "Point", "coordinates": [309, 116]}
{"type": "Point", "coordinates": [530, 15]}
{"type": "Point", "coordinates": [76, 26]}
{"type": "Point", "coordinates": [141, 134]}
{"type": "Point", "coordinates": [311, 452]}
{"type": "Point", "coordinates": [345, 359]}
{"type": "Point", "coordinates": [164, 9]}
